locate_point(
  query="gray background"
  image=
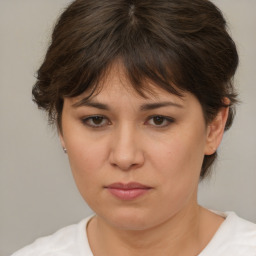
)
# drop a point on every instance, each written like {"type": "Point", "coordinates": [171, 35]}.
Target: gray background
{"type": "Point", "coordinates": [37, 192]}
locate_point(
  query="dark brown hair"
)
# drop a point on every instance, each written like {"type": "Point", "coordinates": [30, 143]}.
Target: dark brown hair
{"type": "Point", "coordinates": [168, 42]}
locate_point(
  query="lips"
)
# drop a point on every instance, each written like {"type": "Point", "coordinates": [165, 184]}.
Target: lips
{"type": "Point", "coordinates": [128, 191]}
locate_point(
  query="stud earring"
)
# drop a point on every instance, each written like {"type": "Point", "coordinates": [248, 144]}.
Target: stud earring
{"type": "Point", "coordinates": [65, 150]}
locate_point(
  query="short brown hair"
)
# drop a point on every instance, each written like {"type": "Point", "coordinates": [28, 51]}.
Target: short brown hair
{"type": "Point", "coordinates": [169, 42]}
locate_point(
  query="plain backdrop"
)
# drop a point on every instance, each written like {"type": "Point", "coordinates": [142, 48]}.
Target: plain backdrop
{"type": "Point", "coordinates": [37, 192]}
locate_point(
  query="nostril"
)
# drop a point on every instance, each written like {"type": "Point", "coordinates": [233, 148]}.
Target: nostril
{"type": "Point", "coordinates": [126, 162]}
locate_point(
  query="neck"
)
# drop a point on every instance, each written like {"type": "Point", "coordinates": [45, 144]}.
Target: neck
{"type": "Point", "coordinates": [168, 238]}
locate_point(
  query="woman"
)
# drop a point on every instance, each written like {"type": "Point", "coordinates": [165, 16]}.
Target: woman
{"type": "Point", "coordinates": [141, 93]}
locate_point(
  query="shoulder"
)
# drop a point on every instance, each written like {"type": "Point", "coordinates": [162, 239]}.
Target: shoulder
{"type": "Point", "coordinates": [240, 230]}
{"type": "Point", "coordinates": [236, 237]}
{"type": "Point", "coordinates": [67, 240]}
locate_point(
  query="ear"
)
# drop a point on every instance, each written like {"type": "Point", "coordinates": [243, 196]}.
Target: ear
{"type": "Point", "coordinates": [62, 141]}
{"type": "Point", "coordinates": [215, 131]}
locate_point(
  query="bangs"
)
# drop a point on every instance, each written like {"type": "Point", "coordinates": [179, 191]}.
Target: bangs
{"type": "Point", "coordinates": [143, 64]}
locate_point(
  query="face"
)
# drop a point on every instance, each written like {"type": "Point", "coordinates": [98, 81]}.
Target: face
{"type": "Point", "coordinates": [136, 161]}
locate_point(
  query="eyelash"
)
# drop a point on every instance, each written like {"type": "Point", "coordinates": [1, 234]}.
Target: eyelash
{"type": "Point", "coordinates": [86, 121]}
{"type": "Point", "coordinates": [166, 120]}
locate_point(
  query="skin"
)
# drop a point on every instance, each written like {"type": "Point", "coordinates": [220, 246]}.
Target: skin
{"type": "Point", "coordinates": [129, 145]}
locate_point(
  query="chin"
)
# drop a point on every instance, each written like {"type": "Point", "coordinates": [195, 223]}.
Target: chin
{"type": "Point", "coordinates": [129, 219]}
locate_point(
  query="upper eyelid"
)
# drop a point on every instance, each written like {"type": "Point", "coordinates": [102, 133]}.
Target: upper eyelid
{"type": "Point", "coordinates": [92, 116]}
{"type": "Point", "coordinates": [149, 117]}
{"type": "Point", "coordinates": [167, 117]}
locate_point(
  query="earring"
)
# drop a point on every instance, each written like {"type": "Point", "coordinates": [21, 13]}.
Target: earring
{"type": "Point", "coordinates": [65, 150]}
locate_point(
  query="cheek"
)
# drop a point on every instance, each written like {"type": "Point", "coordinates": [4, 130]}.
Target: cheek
{"type": "Point", "coordinates": [86, 152]}
{"type": "Point", "coordinates": [84, 158]}
{"type": "Point", "coordinates": [179, 156]}
{"type": "Point", "coordinates": [87, 160]}
{"type": "Point", "coordinates": [178, 161]}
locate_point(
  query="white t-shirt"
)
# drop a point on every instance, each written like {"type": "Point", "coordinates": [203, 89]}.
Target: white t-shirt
{"type": "Point", "coordinates": [235, 237]}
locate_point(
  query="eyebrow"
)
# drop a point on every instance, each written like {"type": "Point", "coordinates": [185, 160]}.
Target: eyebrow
{"type": "Point", "coordinates": [143, 107]}
{"type": "Point", "coordinates": [150, 106]}
{"type": "Point", "coordinates": [88, 103]}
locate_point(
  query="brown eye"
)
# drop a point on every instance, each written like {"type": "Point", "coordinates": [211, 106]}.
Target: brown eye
{"type": "Point", "coordinates": [160, 121]}
{"type": "Point", "coordinates": [95, 121]}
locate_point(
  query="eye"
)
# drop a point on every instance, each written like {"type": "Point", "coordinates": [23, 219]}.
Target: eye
{"type": "Point", "coordinates": [160, 121]}
{"type": "Point", "coordinates": [96, 121]}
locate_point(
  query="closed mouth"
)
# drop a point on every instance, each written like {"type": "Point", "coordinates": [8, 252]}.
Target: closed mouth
{"type": "Point", "coordinates": [127, 191]}
{"type": "Point", "coordinates": [128, 186]}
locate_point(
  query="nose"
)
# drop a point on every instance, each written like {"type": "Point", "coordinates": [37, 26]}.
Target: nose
{"type": "Point", "coordinates": [126, 151]}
